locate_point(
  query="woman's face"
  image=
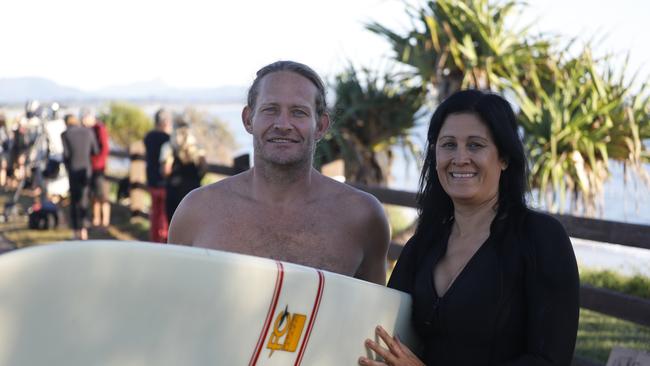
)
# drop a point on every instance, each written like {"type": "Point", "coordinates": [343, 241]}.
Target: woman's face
{"type": "Point", "coordinates": [467, 160]}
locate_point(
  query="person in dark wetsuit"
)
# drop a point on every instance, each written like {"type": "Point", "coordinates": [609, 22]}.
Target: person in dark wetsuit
{"type": "Point", "coordinates": [79, 144]}
{"type": "Point", "coordinates": [153, 142]}
{"type": "Point", "coordinates": [492, 282]}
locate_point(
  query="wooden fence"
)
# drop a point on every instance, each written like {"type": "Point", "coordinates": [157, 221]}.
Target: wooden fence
{"type": "Point", "coordinates": [612, 303]}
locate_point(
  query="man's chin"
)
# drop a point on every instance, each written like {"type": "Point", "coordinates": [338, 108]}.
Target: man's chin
{"type": "Point", "coordinates": [285, 161]}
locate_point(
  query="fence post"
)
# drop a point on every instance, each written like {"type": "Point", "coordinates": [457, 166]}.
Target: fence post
{"type": "Point", "coordinates": [137, 178]}
{"type": "Point", "coordinates": [241, 163]}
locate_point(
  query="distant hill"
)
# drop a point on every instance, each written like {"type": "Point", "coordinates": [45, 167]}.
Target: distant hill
{"type": "Point", "coordinates": [18, 90]}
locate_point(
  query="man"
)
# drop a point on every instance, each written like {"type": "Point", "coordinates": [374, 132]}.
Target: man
{"type": "Point", "coordinates": [153, 142]}
{"type": "Point", "coordinates": [282, 208]}
{"type": "Point", "coordinates": [79, 144]}
{"type": "Point", "coordinates": [98, 185]}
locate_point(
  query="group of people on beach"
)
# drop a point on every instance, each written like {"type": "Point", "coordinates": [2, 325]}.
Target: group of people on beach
{"type": "Point", "coordinates": [493, 282]}
{"type": "Point", "coordinates": [35, 151]}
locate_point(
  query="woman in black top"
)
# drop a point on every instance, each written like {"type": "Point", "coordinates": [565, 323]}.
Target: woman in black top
{"type": "Point", "coordinates": [492, 282]}
{"type": "Point", "coordinates": [183, 166]}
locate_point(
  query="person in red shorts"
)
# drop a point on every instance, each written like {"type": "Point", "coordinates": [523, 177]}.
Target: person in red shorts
{"type": "Point", "coordinates": [101, 207]}
{"type": "Point", "coordinates": [153, 142]}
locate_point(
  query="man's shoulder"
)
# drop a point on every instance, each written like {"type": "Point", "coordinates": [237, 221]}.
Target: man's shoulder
{"type": "Point", "coordinates": [345, 195]}
{"type": "Point", "coordinates": [155, 135]}
{"type": "Point", "coordinates": [226, 189]}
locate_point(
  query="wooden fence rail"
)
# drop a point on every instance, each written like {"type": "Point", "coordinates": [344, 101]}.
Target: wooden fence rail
{"type": "Point", "coordinates": [608, 302]}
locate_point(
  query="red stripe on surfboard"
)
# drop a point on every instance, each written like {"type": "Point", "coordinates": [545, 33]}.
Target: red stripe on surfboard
{"type": "Point", "coordinates": [314, 312]}
{"type": "Point", "coordinates": [269, 316]}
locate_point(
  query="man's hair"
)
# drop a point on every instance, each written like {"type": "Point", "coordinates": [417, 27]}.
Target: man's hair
{"type": "Point", "coordinates": [70, 119]}
{"type": "Point", "coordinates": [162, 115]}
{"type": "Point", "coordinates": [298, 68]}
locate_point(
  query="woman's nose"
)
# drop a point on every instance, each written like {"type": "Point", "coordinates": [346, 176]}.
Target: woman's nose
{"type": "Point", "coordinates": [461, 156]}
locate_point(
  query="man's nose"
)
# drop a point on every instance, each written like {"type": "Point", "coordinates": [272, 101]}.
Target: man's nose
{"type": "Point", "coordinates": [283, 122]}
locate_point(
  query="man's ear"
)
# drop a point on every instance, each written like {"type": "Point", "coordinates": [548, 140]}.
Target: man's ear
{"type": "Point", "coordinates": [246, 117]}
{"type": "Point", "coordinates": [322, 125]}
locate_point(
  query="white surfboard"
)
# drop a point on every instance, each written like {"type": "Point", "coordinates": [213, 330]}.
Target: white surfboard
{"type": "Point", "coordinates": [136, 303]}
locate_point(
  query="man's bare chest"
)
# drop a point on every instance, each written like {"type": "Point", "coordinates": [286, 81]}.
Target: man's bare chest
{"type": "Point", "coordinates": [306, 238]}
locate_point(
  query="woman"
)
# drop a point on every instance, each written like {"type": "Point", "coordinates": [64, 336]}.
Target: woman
{"type": "Point", "coordinates": [492, 282]}
{"type": "Point", "coordinates": [183, 164]}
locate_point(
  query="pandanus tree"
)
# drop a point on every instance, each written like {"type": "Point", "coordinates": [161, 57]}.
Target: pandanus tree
{"type": "Point", "coordinates": [372, 114]}
{"type": "Point", "coordinates": [576, 112]}
{"type": "Point", "coordinates": [459, 44]}
{"type": "Point", "coordinates": [575, 121]}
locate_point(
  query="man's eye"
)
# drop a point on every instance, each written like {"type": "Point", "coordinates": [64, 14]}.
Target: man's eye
{"type": "Point", "coordinates": [299, 113]}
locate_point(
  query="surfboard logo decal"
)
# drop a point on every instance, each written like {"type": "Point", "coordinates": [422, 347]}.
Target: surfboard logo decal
{"type": "Point", "coordinates": [287, 331]}
{"type": "Point", "coordinates": [314, 312]}
{"type": "Point", "coordinates": [269, 316]}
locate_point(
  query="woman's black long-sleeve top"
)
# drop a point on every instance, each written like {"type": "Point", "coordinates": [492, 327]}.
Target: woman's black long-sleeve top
{"type": "Point", "coordinates": [514, 303]}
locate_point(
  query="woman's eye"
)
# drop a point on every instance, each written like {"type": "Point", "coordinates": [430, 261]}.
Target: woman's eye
{"type": "Point", "coordinates": [448, 145]}
{"type": "Point", "coordinates": [475, 145]}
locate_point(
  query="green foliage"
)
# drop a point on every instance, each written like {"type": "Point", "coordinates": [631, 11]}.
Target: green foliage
{"type": "Point", "coordinates": [575, 120]}
{"type": "Point", "coordinates": [400, 218]}
{"type": "Point", "coordinates": [372, 113]}
{"type": "Point", "coordinates": [636, 285]}
{"type": "Point", "coordinates": [577, 112]}
{"type": "Point", "coordinates": [458, 44]}
{"type": "Point", "coordinates": [126, 123]}
{"type": "Point", "coordinates": [212, 134]}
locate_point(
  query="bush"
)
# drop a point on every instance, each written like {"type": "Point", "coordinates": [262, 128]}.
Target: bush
{"type": "Point", "coordinates": [126, 123]}
{"type": "Point", "coordinates": [636, 285]}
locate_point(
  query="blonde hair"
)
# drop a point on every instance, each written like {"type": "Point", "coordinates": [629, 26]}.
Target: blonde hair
{"type": "Point", "coordinates": [185, 146]}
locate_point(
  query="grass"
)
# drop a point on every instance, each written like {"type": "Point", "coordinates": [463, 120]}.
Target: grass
{"type": "Point", "coordinates": [598, 334]}
{"type": "Point", "coordinates": [636, 285]}
{"type": "Point", "coordinates": [122, 227]}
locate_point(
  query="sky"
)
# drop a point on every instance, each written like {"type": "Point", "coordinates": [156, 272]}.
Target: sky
{"type": "Point", "coordinates": [91, 44]}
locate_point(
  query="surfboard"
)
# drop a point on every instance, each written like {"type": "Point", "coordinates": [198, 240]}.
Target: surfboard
{"type": "Point", "coordinates": [136, 303]}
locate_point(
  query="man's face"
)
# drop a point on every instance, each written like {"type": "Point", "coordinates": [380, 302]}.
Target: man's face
{"type": "Point", "coordinates": [284, 124]}
{"type": "Point", "coordinates": [88, 120]}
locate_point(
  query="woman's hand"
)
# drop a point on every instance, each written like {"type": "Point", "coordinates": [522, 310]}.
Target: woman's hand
{"type": "Point", "coordinates": [397, 354]}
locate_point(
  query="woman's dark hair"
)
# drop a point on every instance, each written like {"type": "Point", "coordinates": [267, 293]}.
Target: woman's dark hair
{"type": "Point", "coordinates": [434, 203]}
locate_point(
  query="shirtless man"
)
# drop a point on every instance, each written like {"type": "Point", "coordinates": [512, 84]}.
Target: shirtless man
{"type": "Point", "coordinates": [282, 208]}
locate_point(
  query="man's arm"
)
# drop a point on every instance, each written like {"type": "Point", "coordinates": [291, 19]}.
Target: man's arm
{"type": "Point", "coordinates": [183, 225]}
{"type": "Point", "coordinates": [374, 233]}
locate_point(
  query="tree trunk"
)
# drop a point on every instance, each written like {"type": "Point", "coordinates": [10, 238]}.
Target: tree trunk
{"type": "Point", "coordinates": [364, 166]}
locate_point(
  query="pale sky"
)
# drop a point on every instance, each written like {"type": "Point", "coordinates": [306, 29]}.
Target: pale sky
{"type": "Point", "coordinates": [91, 44]}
